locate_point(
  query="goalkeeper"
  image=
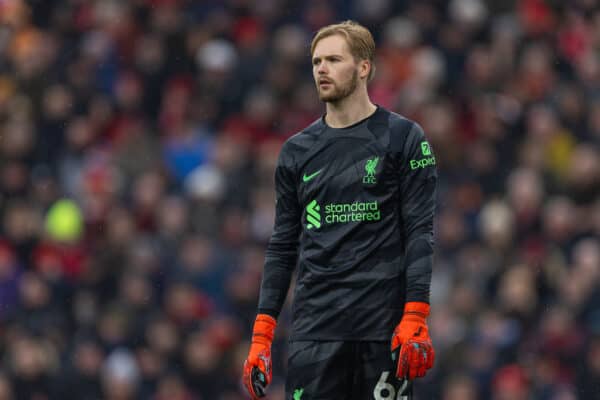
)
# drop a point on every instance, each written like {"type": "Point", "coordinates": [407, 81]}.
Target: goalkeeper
{"type": "Point", "coordinates": [355, 200]}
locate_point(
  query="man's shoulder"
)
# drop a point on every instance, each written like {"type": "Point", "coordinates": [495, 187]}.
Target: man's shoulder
{"type": "Point", "coordinates": [400, 129]}
{"type": "Point", "coordinates": [385, 121]}
{"type": "Point", "coordinates": [399, 124]}
{"type": "Point", "coordinates": [305, 137]}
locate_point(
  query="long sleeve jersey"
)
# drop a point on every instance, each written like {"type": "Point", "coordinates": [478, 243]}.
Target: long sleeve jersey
{"type": "Point", "coordinates": [354, 215]}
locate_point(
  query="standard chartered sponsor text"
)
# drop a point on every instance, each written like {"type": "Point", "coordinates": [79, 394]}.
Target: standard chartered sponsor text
{"type": "Point", "coordinates": [352, 212]}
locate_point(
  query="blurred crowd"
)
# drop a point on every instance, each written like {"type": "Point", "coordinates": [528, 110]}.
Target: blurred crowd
{"type": "Point", "coordinates": [138, 140]}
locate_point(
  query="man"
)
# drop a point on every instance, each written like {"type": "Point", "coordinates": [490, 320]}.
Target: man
{"type": "Point", "coordinates": [355, 203]}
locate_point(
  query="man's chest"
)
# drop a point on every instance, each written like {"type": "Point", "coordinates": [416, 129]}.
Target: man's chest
{"type": "Point", "coordinates": [346, 171]}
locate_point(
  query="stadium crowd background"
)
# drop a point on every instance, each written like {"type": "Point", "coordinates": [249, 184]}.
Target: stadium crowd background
{"type": "Point", "coordinates": [137, 145]}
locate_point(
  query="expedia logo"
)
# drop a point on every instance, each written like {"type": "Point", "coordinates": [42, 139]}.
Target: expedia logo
{"type": "Point", "coordinates": [425, 149]}
{"type": "Point", "coordinates": [422, 163]}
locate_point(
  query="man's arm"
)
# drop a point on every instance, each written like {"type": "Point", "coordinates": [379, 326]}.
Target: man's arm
{"type": "Point", "coordinates": [411, 343]}
{"type": "Point", "coordinates": [282, 252]}
{"type": "Point", "coordinates": [280, 260]}
{"type": "Point", "coordinates": [418, 189]}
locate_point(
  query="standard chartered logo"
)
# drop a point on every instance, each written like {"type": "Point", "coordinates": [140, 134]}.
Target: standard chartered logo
{"type": "Point", "coordinates": [341, 213]}
{"type": "Point", "coordinates": [352, 212]}
{"type": "Point", "coordinates": [312, 215]}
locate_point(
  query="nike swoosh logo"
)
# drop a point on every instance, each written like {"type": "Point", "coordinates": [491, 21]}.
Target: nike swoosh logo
{"type": "Point", "coordinates": [307, 178]}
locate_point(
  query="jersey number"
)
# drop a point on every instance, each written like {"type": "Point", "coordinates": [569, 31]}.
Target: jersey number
{"type": "Point", "coordinates": [386, 391]}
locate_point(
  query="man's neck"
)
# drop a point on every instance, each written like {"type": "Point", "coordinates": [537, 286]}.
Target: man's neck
{"type": "Point", "coordinates": [349, 111]}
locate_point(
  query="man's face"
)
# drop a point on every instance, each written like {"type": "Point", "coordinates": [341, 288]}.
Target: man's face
{"type": "Point", "coordinates": [334, 69]}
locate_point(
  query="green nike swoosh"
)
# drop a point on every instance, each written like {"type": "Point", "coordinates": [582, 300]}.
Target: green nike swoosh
{"type": "Point", "coordinates": [306, 178]}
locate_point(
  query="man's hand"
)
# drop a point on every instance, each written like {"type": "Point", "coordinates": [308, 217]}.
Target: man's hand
{"type": "Point", "coordinates": [411, 345]}
{"type": "Point", "coordinates": [257, 367]}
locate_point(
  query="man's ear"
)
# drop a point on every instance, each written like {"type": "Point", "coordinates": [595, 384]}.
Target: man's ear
{"type": "Point", "coordinates": [364, 69]}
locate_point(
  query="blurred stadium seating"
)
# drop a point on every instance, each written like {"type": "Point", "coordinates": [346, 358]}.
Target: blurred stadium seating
{"type": "Point", "coordinates": [137, 145]}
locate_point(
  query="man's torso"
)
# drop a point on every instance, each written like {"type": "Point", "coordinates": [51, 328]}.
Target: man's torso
{"type": "Point", "coordinates": [350, 283]}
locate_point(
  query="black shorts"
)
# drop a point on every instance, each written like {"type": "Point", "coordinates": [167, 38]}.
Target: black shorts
{"type": "Point", "coordinates": [343, 371]}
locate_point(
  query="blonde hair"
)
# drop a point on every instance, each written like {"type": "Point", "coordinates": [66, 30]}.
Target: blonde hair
{"type": "Point", "coordinates": [359, 39]}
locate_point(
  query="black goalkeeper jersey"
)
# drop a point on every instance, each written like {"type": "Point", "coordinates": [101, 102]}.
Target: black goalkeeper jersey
{"type": "Point", "coordinates": [354, 213]}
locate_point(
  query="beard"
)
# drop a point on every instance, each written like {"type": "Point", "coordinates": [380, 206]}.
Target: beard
{"type": "Point", "coordinates": [340, 92]}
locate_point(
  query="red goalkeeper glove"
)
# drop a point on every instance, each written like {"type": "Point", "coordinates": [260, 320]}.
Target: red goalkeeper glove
{"type": "Point", "coordinates": [257, 367]}
{"type": "Point", "coordinates": [411, 345]}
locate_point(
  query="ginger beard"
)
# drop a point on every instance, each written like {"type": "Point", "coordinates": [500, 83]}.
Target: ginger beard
{"type": "Point", "coordinates": [333, 93]}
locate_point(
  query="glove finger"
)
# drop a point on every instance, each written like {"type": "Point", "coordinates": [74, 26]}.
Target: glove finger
{"type": "Point", "coordinates": [403, 363]}
{"type": "Point", "coordinates": [416, 360]}
{"type": "Point", "coordinates": [422, 367]}
{"type": "Point", "coordinates": [400, 371]}
{"type": "Point", "coordinates": [264, 364]}
{"type": "Point", "coordinates": [420, 372]}
{"type": "Point", "coordinates": [412, 372]}
{"type": "Point", "coordinates": [246, 371]}
{"type": "Point", "coordinates": [425, 349]}
{"type": "Point", "coordinates": [412, 360]}
{"type": "Point", "coordinates": [247, 379]}
{"type": "Point", "coordinates": [421, 356]}
{"type": "Point", "coordinates": [430, 358]}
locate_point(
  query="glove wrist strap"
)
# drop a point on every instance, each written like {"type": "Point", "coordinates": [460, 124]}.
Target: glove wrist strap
{"type": "Point", "coordinates": [417, 310]}
{"type": "Point", "coordinates": [264, 329]}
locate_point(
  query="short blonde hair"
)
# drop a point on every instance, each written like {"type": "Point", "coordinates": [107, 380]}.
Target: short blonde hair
{"type": "Point", "coordinates": [359, 39]}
